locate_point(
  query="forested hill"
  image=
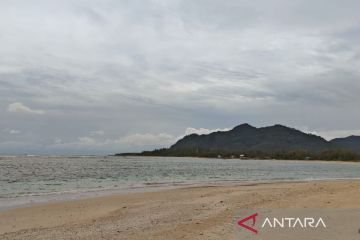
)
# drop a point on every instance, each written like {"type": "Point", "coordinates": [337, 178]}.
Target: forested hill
{"type": "Point", "coordinates": [248, 138]}
{"type": "Point", "coordinates": [276, 141]}
{"type": "Point", "coordinates": [351, 143]}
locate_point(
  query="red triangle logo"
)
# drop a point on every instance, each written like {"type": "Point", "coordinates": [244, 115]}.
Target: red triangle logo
{"type": "Point", "coordinates": [250, 228]}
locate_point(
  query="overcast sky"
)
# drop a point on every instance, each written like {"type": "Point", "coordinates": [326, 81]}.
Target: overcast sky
{"type": "Point", "coordinates": [105, 76]}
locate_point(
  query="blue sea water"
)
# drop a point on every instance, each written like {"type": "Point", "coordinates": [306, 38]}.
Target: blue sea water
{"type": "Point", "coordinates": [23, 176]}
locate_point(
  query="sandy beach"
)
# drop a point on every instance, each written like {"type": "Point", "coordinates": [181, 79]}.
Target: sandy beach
{"type": "Point", "coordinates": [187, 213]}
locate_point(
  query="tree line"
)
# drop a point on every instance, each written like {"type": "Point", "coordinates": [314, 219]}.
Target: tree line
{"type": "Point", "coordinates": [329, 155]}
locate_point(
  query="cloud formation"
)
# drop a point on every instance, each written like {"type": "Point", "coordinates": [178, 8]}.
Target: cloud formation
{"type": "Point", "coordinates": [202, 131]}
{"type": "Point", "coordinates": [13, 131]}
{"type": "Point", "coordinates": [147, 139]}
{"type": "Point", "coordinates": [18, 107]}
{"type": "Point", "coordinates": [108, 69]}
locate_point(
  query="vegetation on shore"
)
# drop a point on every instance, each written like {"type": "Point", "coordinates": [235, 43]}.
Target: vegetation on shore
{"type": "Point", "coordinates": [330, 155]}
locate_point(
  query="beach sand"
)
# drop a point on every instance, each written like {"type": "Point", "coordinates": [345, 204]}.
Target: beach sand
{"type": "Point", "coordinates": [186, 213]}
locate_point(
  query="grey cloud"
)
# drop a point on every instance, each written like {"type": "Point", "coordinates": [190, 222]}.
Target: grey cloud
{"type": "Point", "coordinates": [150, 67]}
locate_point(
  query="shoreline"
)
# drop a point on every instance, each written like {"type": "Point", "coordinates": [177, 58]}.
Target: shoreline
{"type": "Point", "coordinates": [145, 156]}
{"type": "Point", "coordinates": [308, 172]}
{"type": "Point", "coordinates": [26, 201]}
{"type": "Point", "coordinates": [243, 159]}
{"type": "Point", "coordinates": [181, 213]}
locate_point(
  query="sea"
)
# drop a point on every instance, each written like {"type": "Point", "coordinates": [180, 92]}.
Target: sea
{"type": "Point", "coordinates": [31, 180]}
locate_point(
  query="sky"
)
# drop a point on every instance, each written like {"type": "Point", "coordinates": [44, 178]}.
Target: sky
{"type": "Point", "coordinates": [107, 76]}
